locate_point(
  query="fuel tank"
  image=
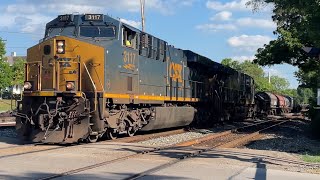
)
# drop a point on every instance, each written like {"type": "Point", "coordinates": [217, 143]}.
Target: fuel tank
{"type": "Point", "coordinates": [168, 117]}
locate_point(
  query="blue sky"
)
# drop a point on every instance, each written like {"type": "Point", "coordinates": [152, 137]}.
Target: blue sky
{"type": "Point", "coordinates": [215, 28]}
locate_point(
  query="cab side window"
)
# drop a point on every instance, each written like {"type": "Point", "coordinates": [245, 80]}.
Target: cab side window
{"type": "Point", "coordinates": [129, 38]}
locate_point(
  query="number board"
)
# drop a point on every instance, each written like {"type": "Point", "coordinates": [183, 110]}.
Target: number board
{"type": "Point", "coordinates": [93, 17]}
{"type": "Point", "coordinates": [64, 17]}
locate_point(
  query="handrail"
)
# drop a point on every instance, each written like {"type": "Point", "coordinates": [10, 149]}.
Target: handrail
{"type": "Point", "coordinates": [95, 70]}
{"type": "Point", "coordinates": [94, 86]}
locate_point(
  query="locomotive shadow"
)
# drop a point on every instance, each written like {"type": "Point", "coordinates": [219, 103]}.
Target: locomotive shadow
{"type": "Point", "coordinates": [11, 141]}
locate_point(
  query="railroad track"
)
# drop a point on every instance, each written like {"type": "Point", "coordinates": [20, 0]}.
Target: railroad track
{"type": "Point", "coordinates": [7, 120]}
{"type": "Point", "coordinates": [18, 150]}
{"type": "Point", "coordinates": [237, 136]}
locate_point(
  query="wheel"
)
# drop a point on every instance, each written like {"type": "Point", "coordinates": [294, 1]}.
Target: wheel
{"type": "Point", "coordinates": [131, 131]}
{"type": "Point", "coordinates": [111, 135]}
{"type": "Point", "coordinates": [92, 138]}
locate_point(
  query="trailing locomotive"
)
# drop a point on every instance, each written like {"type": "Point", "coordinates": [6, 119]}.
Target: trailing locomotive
{"type": "Point", "coordinates": [94, 76]}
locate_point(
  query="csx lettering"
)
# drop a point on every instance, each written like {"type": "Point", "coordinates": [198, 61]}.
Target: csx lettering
{"type": "Point", "coordinates": [175, 71]}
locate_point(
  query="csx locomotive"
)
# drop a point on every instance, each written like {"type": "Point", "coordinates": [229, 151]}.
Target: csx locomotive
{"type": "Point", "coordinates": [93, 76]}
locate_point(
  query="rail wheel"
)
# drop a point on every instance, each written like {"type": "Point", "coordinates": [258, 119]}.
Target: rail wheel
{"type": "Point", "coordinates": [131, 131]}
{"type": "Point", "coordinates": [92, 138]}
{"type": "Point", "coordinates": [111, 134]}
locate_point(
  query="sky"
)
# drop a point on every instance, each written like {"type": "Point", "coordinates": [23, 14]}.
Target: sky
{"type": "Point", "coordinates": [217, 29]}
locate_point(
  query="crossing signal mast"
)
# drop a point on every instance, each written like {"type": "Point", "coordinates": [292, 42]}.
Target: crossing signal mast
{"type": "Point", "coordinates": [142, 5]}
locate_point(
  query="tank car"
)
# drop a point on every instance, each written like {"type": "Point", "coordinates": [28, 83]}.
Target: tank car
{"type": "Point", "coordinates": [94, 76]}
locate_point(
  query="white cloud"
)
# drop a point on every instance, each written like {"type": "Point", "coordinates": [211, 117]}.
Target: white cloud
{"type": "Point", "coordinates": [166, 7]}
{"type": "Point", "coordinates": [21, 8]}
{"type": "Point", "coordinates": [248, 43]}
{"type": "Point", "coordinates": [251, 22]}
{"type": "Point", "coordinates": [243, 58]}
{"type": "Point", "coordinates": [222, 16]}
{"type": "Point", "coordinates": [31, 16]}
{"type": "Point", "coordinates": [135, 24]}
{"type": "Point", "coordinates": [216, 27]}
{"type": "Point", "coordinates": [236, 5]}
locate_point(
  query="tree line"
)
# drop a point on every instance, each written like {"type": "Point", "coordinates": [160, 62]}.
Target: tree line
{"type": "Point", "coordinates": [298, 27]}
{"type": "Point", "coordinates": [278, 85]}
{"type": "Point", "coordinates": [10, 74]}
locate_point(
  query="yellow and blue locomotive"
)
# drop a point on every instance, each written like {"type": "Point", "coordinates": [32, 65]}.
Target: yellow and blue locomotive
{"type": "Point", "coordinates": [93, 76]}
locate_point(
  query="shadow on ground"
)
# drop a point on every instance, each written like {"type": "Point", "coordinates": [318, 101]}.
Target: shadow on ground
{"type": "Point", "coordinates": [292, 137]}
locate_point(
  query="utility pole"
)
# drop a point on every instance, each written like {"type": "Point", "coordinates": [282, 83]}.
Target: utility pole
{"type": "Point", "coordinates": [142, 4]}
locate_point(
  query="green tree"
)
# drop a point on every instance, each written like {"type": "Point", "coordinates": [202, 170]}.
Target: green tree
{"type": "Point", "coordinates": [5, 71]}
{"type": "Point", "coordinates": [18, 69]}
{"type": "Point", "coordinates": [2, 49]}
{"type": "Point", "coordinates": [298, 26]}
{"type": "Point", "coordinates": [278, 84]}
{"type": "Point", "coordinates": [230, 63]}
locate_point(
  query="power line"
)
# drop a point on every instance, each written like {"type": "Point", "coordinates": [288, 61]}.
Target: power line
{"type": "Point", "coordinates": [16, 32]}
{"type": "Point", "coordinates": [17, 47]}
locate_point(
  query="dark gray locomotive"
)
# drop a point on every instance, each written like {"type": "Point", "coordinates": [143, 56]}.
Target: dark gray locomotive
{"type": "Point", "coordinates": [94, 76]}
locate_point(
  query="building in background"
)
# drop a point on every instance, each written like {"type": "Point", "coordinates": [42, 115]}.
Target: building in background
{"type": "Point", "coordinates": [11, 59]}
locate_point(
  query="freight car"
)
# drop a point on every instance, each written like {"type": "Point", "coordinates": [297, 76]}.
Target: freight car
{"type": "Point", "coordinates": [93, 76]}
{"type": "Point", "coordinates": [268, 103]}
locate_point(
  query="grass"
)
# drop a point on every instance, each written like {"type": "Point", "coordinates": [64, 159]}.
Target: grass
{"type": "Point", "coordinates": [311, 159]}
{"type": "Point", "coordinates": [5, 105]}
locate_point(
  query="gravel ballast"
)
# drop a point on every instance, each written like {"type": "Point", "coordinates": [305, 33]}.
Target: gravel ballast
{"type": "Point", "coordinates": [174, 139]}
{"type": "Point", "coordinates": [9, 132]}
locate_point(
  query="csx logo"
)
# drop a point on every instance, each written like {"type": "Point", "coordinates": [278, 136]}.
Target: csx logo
{"type": "Point", "coordinates": [175, 72]}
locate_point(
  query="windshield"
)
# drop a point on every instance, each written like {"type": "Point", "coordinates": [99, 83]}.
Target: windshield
{"type": "Point", "coordinates": [67, 31]}
{"type": "Point", "coordinates": [97, 31]}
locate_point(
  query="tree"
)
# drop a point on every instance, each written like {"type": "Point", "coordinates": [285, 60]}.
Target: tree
{"type": "Point", "coordinates": [5, 71]}
{"type": "Point", "coordinates": [277, 85]}
{"type": "Point", "coordinates": [298, 26]}
{"type": "Point", "coordinates": [5, 75]}
{"type": "Point", "coordinates": [18, 69]}
{"type": "Point", "coordinates": [230, 63]}
{"type": "Point", "coordinates": [2, 49]}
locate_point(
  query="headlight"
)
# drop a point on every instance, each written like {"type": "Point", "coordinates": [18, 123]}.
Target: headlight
{"type": "Point", "coordinates": [60, 50]}
{"type": "Point", "coordinates": [27, 86]}
{"type": "Point", "coordinates": [61, 46]}
{"type": "Point", "coordinates": [70, 86]}
{"type": "Point", "coordinates": [60, 43]}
